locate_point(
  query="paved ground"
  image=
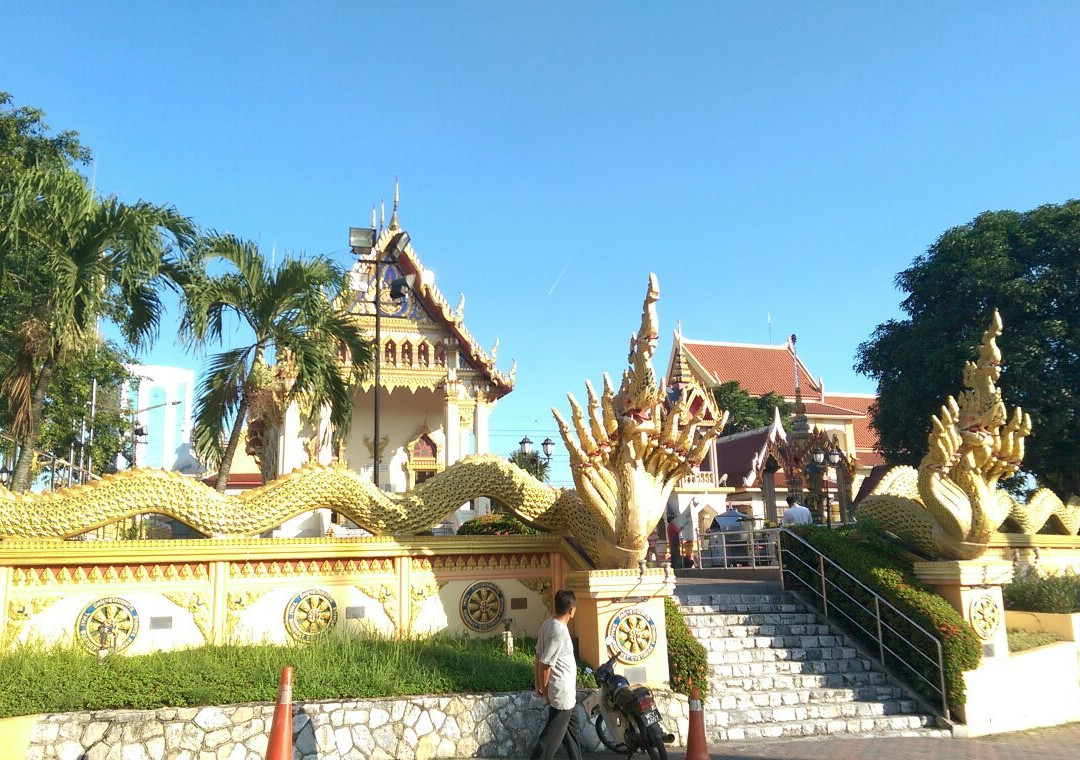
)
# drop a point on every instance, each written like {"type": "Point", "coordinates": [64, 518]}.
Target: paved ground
{"type": "Point", "coordinates": [1059, 743]}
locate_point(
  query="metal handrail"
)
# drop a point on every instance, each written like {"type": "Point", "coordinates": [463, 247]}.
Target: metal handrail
{"type": "Point", "coordinates": [878, 602]}
{"type": "Point", "coordinates": [753, 548]}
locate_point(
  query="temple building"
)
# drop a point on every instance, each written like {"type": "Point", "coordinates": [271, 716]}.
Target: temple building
{"type": "Point", "coordinates": [734, 474]}
{"type": "Point", "coordinates": [437, 385]}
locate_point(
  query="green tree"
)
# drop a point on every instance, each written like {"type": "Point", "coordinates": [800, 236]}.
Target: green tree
{"type": "Point", "coordinates": [533, 463]}
{"type": "Point", "coordinates": [746, 412]}
{"type": "Point", "coordinates": [292, 315]}
{"type": "Point", "coordinates": [87, 258]}
{"type": "Point", "coordinates": [1026, 265]}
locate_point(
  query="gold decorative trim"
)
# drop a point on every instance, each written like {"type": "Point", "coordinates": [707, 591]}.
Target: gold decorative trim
{"type": "Point", "coordinates": [287, 568]}
{"type": "Point", "coordinates": [419, 592]}
{"type": "Point", "coordinates": [542, 588]}
{"type": "Point", "coordinates": [473, 562]}
{"type": "Point", "coordinates": [21, 610]}
{"type": "Point", "coordinates": [386, 595]}
{"type": "Point", "coordinates": [197, 605]}
{"type": "Point", "coordinates": [111, 574]}
{"type": "Point", "coordinates": [236, 603]}
{"type": "Point", "coordinates": [36, 554]}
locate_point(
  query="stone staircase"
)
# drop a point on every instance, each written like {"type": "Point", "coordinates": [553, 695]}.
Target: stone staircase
{"type": "Point", "coordinates": [779, 670]}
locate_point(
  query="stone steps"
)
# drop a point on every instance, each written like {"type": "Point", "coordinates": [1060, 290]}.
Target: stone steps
{"type": "Point", "coordinates": [789, 681]}
{"type": "Point", "coordinates": [761, 629]}
{"type": "Point", "coordinates": [739, 643]}
{"type": "Point", "coordinates": [779, 670]}
{"type": "Point", "coordinates": [896, 725]}
{"type": "Point", "coordinates": [820, 695]}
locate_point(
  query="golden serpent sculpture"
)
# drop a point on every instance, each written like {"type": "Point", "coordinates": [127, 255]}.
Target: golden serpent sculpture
{"type": "Point", "coordinates": [949, 507]}
{"type": "Point", "coordinates": [625, 463]}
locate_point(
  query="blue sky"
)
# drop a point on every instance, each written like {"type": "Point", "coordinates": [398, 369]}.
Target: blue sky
{"type": "Point", "coordinates": [783, 158]}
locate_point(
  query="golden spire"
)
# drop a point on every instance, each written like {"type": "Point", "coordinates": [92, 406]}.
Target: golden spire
{"type": "Point", "coordinates": [382, 214]}
{"type": "Point", "coordinates": [393, 216]}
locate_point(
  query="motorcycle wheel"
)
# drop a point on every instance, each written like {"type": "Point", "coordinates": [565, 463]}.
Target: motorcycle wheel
{"type": "Point", "coordinates": [656, 751]}
{"type": "Point", "coordinates": [605, 737]}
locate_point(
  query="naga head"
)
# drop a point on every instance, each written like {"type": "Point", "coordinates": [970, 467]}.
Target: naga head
{"type": "Point", "coordinates": [631, 449]}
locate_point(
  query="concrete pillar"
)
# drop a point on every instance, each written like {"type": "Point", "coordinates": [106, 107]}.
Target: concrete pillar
{"type": "Point", "coordinates": [452, 428]}
{"type": "Point", "coordinates": [480, 426]}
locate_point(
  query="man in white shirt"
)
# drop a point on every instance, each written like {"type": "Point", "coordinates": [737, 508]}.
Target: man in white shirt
{"type": "Point", "coordinates": [796, 514]}
{"type": "Point", "coordinates": [556, 681]}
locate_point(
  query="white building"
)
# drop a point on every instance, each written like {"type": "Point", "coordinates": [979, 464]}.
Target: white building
{"type": "Point", "coordinates": [162, 399]}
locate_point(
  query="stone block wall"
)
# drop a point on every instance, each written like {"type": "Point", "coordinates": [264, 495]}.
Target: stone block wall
{"type": "Point", "coordinates": [414, 728]}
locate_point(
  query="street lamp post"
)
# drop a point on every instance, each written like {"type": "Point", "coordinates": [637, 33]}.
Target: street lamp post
{"type": "Point", "coordinates": [364, 241]}
{"type": "Point", "coordinates": [139, 430]}
{"type": "Point", "coordinates": [525, 447]}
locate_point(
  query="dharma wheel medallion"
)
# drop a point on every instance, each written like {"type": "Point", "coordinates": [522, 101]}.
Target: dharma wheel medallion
{"type": "Point", "coordinates": [634, 633]}
{"type": "Point", "coordinates": [482, 606]}
{"type": "Point", "coordinates": [985, 616]}
{"type": "Point", "coordinates": [310, 614]}
{"type": "Point", "coordinates": [109, 624]}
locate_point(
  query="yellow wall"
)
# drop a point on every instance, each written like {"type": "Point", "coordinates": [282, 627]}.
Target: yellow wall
{"type": "Point", "coordinates": [186, 593]}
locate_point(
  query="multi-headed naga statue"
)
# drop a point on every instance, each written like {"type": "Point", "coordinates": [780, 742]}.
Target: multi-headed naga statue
{"type": "Point", "coordinates": [627, 457]}
{"type": "Point", "coordinates": [950, 506]}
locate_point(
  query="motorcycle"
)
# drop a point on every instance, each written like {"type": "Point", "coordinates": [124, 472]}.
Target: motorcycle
{"type": "Point", "coordinates": [626, 717]}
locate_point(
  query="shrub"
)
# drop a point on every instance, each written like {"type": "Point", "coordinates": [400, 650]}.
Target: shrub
{"type": "Point", "coordinates": [892, 578]}
{"type": "Point", "coordinates": [38, 680]}
{"type": "Point", "coordinates": [688, 662]}
{"type": "Point", "coordinates": [1032, 592]}
{"type": "Point", "coordinates": [496, 524]}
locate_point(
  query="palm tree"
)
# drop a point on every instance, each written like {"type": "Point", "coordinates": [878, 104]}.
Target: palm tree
{"type": "Point", "coordinates": [290, 310]}
{"type": "Point", "coordinates": [100, 258]}
{"type": "Point", "coordinates": [532, 463]}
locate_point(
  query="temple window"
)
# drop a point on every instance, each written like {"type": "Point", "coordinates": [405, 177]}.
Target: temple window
{"type": "Point", "coordinates": [390, 354]}
{"type": "Point", "coordinates": [440, 355]}
{"type": "Point", "coordinates": [406, 354]}
{"type": "Point", "coordinates": [422, 355]}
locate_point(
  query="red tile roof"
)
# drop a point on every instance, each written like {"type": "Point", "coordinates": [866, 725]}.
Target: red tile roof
{"type": "Point", "coordinates": [759, 369]}
{"type": "Point", "coordinates": [735, 455]}
{"type": "Point", "coordinates": [830, 410]}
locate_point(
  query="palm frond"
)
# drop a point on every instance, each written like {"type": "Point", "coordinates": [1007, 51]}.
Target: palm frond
{"type": "Point", "coordinates": [220, 392]}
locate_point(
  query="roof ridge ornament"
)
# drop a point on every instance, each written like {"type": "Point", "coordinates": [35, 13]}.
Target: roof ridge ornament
{"type": "Point", "coordinates": [394, 225]}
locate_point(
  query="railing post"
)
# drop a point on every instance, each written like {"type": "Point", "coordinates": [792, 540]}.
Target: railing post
{"type": "Point", "coordinates": [753, 551]}
{"type": "Point", "coordinates": [780, 559]}
{"type": "Point", "coordinates": [880, 638]}
{"type": "Point", "coordinates": [723, 548]}
{"type": "Point", "coordinates": [941, 677]}
{"type": "Point", "coordinates": [821, 569]}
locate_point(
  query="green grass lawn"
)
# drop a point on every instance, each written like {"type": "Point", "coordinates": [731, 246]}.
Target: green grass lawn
{"type": "Point", "coordinates": [1021, 640]}
{"type": "Point", "coordinates": [61, 680]}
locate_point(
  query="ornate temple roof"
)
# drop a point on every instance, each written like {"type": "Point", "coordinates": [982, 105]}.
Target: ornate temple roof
{"type": "Point", "coordinates": [426, 310]}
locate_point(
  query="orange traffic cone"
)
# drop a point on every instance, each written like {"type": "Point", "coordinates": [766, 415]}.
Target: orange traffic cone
{"type": "Point", "coordinates": [697, 748]}
{"type": "Point", "coordinates": [279, 747]}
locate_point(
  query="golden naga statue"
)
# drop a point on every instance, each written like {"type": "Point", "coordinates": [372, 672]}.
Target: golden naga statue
{"type": "Point", "coordinates": [950, 506]}
{"type": "Point", "coordinates": [624, 466]}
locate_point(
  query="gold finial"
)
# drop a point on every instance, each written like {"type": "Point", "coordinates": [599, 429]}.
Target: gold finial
{"type": "Point", "coordinates": [382, 214]}
{"type": "Point", "coordinates": [393, 216]}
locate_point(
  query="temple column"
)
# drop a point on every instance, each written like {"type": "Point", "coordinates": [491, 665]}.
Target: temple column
{"type": "Point", "coordinates": [290, 451]}
{"type": "Point", "coordinates": [325, 450]}
{"type": "Point", "coordinates": [452, 428]}
{"type": "Point", "coordinates": [480, 426]}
